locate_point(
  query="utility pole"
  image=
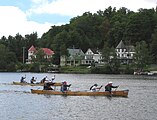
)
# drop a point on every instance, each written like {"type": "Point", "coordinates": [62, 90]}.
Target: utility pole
{"type": "Point", "coordinates": [23, 54]}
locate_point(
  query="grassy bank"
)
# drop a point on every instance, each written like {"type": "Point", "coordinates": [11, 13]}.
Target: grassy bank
{"type": "Point", "coordinates": [124, 69]}
{"type": "Point", "coordinates": [75, 69]}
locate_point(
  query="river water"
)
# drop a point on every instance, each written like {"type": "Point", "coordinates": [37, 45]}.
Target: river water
{"type": "Point", "coordinates": [17, 103]}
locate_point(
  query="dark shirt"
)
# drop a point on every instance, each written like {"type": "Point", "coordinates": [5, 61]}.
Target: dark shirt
{"type": "Point", "coordinates": [43, 80]}
{"type": "Point", "coordinates": [47, 86]}
{"type": "Point", "coordinates": [109, 87]}
{"type": "Point", "coordinates": [22, 79]}
{"type": "Point", "coordinates": [64, 87]}
{"type": "Point", "coordinates": [32, 80]}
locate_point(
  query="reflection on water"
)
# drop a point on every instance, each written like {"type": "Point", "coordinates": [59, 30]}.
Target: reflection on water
{"type": "Point", "coordinates": [17, 103]}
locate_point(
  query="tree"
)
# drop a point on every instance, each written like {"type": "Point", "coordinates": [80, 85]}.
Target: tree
{"type": "Point", "coordinates": [7, 59]}
{"type": "Point", "coordinates": [114, 62]}
{"type": "Point", "coordinates": [110, 58]}
{"type": "Point", "coordinates": [59, 40]}
{"type": "Point", "coordinates": [74, 39]}
{"type": "Point", "coordinates": [140, 26]}
{"type": "Point", "coordinates": [63, 50]}
{"type": "Point", "coordinates": [3, 40]}
{"type": "Point", "coordinates": [104, 29]}
{"type": "Point", "coordinates": [153, 48]}
{"type": "Point", "coordinates": [40, 62]}
{"type": "Point", "coordinates": [106, 53]}
{"type": "Point", "coordinates": [141, 55]}
{"type": "Point", "coordinates": [39, 57]}
{"type": "Point", "coordinates": [109, 12]}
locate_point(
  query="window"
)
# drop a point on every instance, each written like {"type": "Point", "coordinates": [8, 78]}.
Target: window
{"type": "Point", "coordinates": [128, 55]}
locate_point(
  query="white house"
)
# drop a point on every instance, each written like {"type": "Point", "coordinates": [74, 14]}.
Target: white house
{"type": "Point", "coordinates": [125, 53]}
{"type": "Point", "coordinates": [92, 56]}
{"type": "Point", "coordinates": [77, 57]}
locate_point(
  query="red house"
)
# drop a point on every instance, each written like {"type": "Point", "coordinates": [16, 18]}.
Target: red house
{"type": "Point", "coordinates": [32, 53]}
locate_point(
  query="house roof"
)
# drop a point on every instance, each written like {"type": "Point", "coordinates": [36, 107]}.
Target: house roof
{"type": "Point", "coordinates": [130, 48]}
{"type": "Point", "coordinates": [121, 45]}
{"type": "Point", "coordinates": [32, 48]}
{"type": "Point", "coordinates": [48, 51]}
{"type": "Point", "coordinates": [95, 51]}
{"type": "Point", "coordinates": [75, 52]}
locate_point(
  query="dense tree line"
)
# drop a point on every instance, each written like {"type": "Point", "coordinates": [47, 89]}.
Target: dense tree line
{"type": "Point", "coordinates": [101, 30]}
{"type": "Point", "coordinates": [13, 49]}
{"type": "Point", "coordinates": [105, 27]}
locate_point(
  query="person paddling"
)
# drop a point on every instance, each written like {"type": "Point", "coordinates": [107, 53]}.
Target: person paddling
{"type": "Point", "coordinates": [47, 86]}
{"type": "Point", "coordinates": [44, 80]}
{"type": "Point", "coordinates": [64, 86]}
{"type": "Point", "coordinates": [32, 80]}
{"type": "Point", "coordinates": [23, 79]}
{"type": "Point", "coordinates": [95, 88]}
{"type": "Point", "coordinates": [53, 78]}
{"type": "Point", "coordinates": [109, 87]}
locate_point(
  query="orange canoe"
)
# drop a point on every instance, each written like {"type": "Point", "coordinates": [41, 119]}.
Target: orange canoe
{"type": "Point", "coordinates": [120, 93]}
{"type": "Point", "coordinates": [35, 84]}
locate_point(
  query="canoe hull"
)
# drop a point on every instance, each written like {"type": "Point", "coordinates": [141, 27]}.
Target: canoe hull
{"type": "Point", "coordinates": [37, 84]}
{"type": "Point", "coordinates": [122, 93]}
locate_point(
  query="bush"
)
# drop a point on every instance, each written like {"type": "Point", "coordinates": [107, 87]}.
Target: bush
{"type": "Point", "coordinates": [34, 67]}
{"type": "Point", "coordinates": [101, 70]}
{"type": "Point", "coordinates": [11, 67]}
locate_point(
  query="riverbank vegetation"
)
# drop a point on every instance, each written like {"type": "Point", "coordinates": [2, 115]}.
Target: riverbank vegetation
{"type": "Point", "coordinates": [102, 30]}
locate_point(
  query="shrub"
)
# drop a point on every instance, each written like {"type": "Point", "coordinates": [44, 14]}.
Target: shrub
{"type": "Point", "coordinates": [101, 70]}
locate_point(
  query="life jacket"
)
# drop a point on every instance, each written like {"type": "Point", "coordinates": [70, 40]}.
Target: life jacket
{"type": "Point", "coordinates": [108, 87]}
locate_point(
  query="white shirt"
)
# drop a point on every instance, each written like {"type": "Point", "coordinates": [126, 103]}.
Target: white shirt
{"type": "Point", "coordinates": [94, 89]}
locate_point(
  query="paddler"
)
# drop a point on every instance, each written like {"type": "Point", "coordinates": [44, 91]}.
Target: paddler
{"type": "Point", "coordinates": [109, 87]}
{"type": "Point", "coordinates": [95, 88]}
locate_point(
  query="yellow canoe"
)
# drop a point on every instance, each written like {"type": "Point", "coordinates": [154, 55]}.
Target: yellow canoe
{"type": "Point", "coordinates": [35, 84]}
{"type": "Point", "coordinates": [122, 93]}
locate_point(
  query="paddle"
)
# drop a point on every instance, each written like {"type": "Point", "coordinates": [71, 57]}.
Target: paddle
{"type": "Point", "coordinates": [100, 88]}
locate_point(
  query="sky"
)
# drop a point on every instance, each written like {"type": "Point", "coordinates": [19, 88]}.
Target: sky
{"type": "Point", "coordinates": [28, 16]}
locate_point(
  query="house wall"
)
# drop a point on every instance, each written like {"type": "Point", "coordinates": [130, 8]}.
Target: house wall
{"type": "Point", "coordinates": [30, 53]}
{"type": "Point", "coordinates": [97, 58]}
{"type": "Point", "coordinates": [122, 53]}
{"type": "Point", "coordinates": [91, 57]}
{"type": "Point", "coordinates": [63, 60]}
{"type": "Point", "coordinates": [74, 59]}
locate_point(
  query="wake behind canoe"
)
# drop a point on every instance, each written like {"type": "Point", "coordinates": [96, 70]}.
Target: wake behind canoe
{"type": "Point", "coordinates": [35, 84]}
{"type": "Point", "coordinates": [122, 93]}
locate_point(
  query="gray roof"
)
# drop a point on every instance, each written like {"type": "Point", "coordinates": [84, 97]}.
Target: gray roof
{"type": "Point", "coordinates": [121, 45]}
{"type": "Point", "coordinates": [130, 48]}
{"type": "Point", "coordinates": [74, 52]}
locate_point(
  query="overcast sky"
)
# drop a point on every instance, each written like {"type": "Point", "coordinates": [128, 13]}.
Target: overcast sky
{"type": "Point", "coordinates": [28, 16]}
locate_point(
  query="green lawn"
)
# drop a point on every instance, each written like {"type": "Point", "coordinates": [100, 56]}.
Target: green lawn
{"type": "Point", "coordinates": [75, 69]}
